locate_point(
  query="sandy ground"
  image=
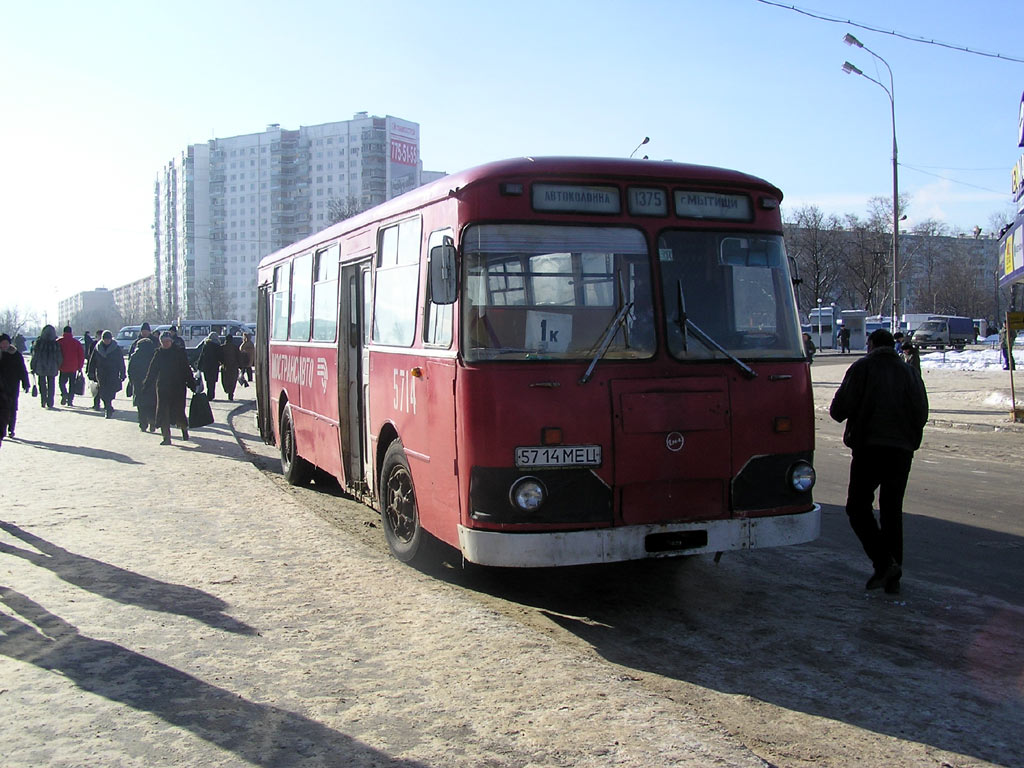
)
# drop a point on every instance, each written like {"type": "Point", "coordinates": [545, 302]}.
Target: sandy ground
{"type": "Point", "coordinates": [173, 606]}
{"type": "Point", "coordinates": [182, 606]}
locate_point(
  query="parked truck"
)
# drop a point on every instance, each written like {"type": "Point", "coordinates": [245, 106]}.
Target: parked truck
{"type": "Point", "coordinates": [941, 331]}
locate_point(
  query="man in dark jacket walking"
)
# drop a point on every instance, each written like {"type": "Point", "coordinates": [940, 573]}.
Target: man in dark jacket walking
{"type": "Point", "coordinates": [106, 367]}
{"type": "Point", "coordinates": [209, 363]}
{"type": "Point", "coordinates": [885, 406]}
{"type": "Point", "coordinates": [13, 374]}
{"type": "Point", "coordinates": [229, 361]}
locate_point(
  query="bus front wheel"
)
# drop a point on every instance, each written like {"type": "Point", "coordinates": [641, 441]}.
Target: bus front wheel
{"type": "Point", "coordinates": [398, 510]}
{"type": "Point", "coordinates": [296, 470]}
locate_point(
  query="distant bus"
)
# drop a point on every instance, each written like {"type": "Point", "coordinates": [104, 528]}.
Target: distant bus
{"type": "Point", "coordinates": [194, 332]}
{"type": "Point", "coordinates": [549, 361]}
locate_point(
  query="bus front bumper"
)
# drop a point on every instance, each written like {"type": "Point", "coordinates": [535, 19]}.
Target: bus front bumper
{"type": "Point", "coordinates": [636, 542]}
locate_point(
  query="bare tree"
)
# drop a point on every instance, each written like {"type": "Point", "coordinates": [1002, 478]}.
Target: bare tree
{"type": "Point", "coordinates": [339, 209]}
{"type": "Point", "coordinates": [962, 281]}
{"type": "Point", "coordinates": [925, 254]}
{"type": "Point", "coordinates": [15, 320]}
{"type": "Point", "coordinates": [815, 241]}
{"type": "Point", "coordinates": [866, 266]}
{"type": "Point", "coordinates": [212, 298]}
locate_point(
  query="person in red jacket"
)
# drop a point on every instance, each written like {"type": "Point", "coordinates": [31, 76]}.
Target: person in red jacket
{"type": "Point", "coordinates": [73, 360]}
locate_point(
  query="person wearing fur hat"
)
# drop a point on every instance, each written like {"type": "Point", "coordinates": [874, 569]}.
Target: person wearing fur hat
{"type": "Point", "coordinates": [106, 367]}
{"type": "Point", "coordinates": [169, 373]}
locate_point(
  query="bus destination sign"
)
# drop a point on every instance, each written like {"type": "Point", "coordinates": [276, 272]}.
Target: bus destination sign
{"type": "Point", "coordinates": [573, 198]}
{"type": "Point", "coordinates": [712, 205]}
{"type": "Point", "coordinates": [648, 201]}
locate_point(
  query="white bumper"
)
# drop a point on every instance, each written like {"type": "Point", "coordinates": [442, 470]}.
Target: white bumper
{"type": "Point", "coordinates": [608, 545]}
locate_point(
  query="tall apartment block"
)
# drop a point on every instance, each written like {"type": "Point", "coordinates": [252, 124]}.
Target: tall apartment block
{"type": "Point", "coordinates": [222, 206]}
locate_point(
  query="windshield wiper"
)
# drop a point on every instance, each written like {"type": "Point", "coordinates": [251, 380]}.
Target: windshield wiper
{"type": "Point", "coordinates": [625, 307]}
{"type": "Point", "coordinates": [685, 322]}
{"type": "Point", "coordinates": [606, 341]}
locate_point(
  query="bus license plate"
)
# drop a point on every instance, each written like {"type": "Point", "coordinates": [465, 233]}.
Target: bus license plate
{"type": "Point", "coordinates": [559, 456]}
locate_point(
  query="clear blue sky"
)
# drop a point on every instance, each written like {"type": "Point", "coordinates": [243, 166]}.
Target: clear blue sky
{"type": "Point", "coordinates": [97, 96]}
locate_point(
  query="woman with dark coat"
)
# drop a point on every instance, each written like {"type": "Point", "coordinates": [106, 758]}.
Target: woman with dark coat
{"type": "Point", "coordinates": [209, 362]}
{"type": "Point", "coordinates": [106, 368]}
{"type": "Point", "coordinates": [230, 361]}
{"type": "Point", "coordinates": [13, 374]}
{"type": "Point", "coordinates": [169, 373]}
{"type": "Point", "coordinates": [46, 362]}
{"type": "Point", "coordinates": [138, 366]}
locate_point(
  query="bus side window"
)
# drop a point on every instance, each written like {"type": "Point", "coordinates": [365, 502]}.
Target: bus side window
{"type": "Point", "coordinates": [437, 318]}
{"type": "Point", "coordinates": [279, 301]}
{"type": "Point", "coordinates": [397, 278]}
{"type": "Point", "coordinates": [302, 287]}
{"type": "Point", "coordinates": [325, 294]}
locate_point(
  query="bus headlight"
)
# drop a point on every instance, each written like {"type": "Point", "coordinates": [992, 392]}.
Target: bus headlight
{"type": "Point", "coordinates": [527, 493]}
{"type": "Point", "coordinates": [801, 476]}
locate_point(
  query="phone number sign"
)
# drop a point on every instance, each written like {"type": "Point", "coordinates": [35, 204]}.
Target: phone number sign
{"type": "Point", "coordinates": [404, 152]}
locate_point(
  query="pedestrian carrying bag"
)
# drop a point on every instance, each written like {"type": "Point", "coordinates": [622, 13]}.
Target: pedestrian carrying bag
{"type": "Point", "coordinates": [199, 412]}
{"type": "Point", "coordinates": [79, 384]}
{"type": "Point", "coordinates": [94, 388]}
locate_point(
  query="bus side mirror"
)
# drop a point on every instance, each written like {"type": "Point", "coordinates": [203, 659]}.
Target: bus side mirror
{"type": "Point", "coordinates": [442, 273]}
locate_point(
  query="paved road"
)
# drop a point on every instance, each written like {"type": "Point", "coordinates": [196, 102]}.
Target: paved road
{"type": "Point", "coordinates": [177, 606]}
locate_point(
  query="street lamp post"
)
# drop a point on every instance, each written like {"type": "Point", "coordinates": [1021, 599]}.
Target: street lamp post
{"type": "Point", "coordinates": [850, 69]}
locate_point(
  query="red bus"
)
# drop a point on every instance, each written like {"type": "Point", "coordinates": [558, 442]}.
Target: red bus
{"type": "Point", "coordinates": [550, 361]}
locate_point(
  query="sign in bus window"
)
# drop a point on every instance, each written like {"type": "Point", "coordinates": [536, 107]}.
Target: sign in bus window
{"type": "Point", "coordinates": [544, 292]}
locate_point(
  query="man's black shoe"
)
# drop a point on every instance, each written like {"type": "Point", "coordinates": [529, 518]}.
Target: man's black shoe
{"type": "Point", "coordinates": [883, 576]}
{"type": "Point", "coordinates": [892, 587]}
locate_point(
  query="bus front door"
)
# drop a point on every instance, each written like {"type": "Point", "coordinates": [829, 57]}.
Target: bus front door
{"type": "Point", "coordinates": [263, 409]}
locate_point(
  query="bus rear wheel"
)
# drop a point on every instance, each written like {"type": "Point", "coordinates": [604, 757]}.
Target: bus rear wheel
{"type": "Point", "coordinates": [398, 509]}
{"type": "Point", "coordinates": [296, 470]}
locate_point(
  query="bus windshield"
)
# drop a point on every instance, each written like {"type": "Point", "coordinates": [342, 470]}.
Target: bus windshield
{"type": "Point", "coordinates": [735, 288]}
{"type": "Point", "coordinates": [535, 292]}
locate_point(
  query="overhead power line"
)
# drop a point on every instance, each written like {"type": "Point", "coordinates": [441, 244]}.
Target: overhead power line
{"type": "Point", "coordinates": [954, 181]}
{"type": "Point", "coordinates": [893, 33]}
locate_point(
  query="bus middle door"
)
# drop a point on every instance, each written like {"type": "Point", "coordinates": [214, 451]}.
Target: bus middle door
{"type": "Point", "coordinates": [353, 376]}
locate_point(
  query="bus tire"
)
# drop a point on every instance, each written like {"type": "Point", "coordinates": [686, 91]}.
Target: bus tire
{"type": "Point", "coordinates": [398, 509]}
{"type": "Point", "coordinates": [296, 470]}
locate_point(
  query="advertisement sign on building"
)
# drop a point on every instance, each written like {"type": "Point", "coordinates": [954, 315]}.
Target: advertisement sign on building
{"type": "Point", "coordinates": [403, 156]}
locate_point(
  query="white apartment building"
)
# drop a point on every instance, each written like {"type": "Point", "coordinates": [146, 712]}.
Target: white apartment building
{"type": "Point", "coordinates": [222, 206]}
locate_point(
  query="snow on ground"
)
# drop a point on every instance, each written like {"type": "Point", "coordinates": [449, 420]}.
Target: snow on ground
{"type": "Point", "coordinates": [968, 360]}
{"type": "Point", "coordinates": [989, 359]}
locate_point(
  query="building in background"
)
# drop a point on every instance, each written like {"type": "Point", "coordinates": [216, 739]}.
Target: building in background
{"type": "Point", "coordinates": [89, 311]}
{"type": "Point", "coordinates": [222, 206]}
{"type": "Point", "coordinates": [136, 301]}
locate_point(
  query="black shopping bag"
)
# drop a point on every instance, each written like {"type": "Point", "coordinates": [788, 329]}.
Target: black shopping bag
{"type": "Point", "coordinates": [80, 384]}
{"type": "Point", "coordinates": [199, 412]}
